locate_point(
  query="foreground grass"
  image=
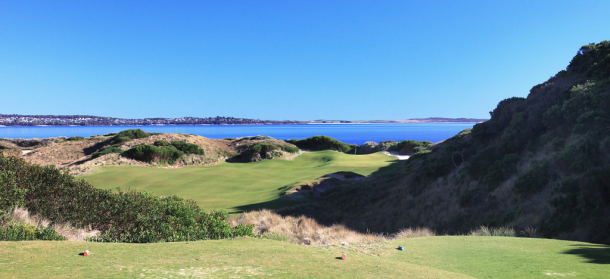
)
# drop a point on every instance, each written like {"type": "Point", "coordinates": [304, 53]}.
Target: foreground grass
{"type": "Point", "coordinates": [238, 186]}
{"type": "Point", "coordinates": [430, 257]}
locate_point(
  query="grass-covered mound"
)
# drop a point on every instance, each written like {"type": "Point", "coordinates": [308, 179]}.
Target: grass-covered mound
{"type": "Point", "coordinates": [316, 143]}
{"type": "Point", "coordinates": [541, 161]}
{"type": "Point", "coordinates": [163, 152]}
{"type": "Point", "coordinates": [264, 150]}
{"type": "Point", "coordinates": [125, 216]}
{"type": "Point", "coordinates": [405, 147]}
{"type": "Point", "coordinates": [409, 146]}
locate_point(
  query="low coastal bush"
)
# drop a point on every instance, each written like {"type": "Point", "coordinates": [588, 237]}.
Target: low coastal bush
{"type": "Point", "coordinates": [264, 148]}
{"type": "Point", "coordinates": [409, 146]}
{"type": "Point", "coordinates": [133, 134]}
{"type": "Point", "coordinates": [17, 231]}
{"type": "Point", "coordinates": [290, 149]}
{"type": "Point", "coordinates": [75, 138]}
{"type": "Point", "coordinates": [259, 137]}
{"type": "Point", "coordinates": [188, 148]}
{"type": "Point", "coordinates": [126, 216]}
{"type": "Point", "coordinates": [154, 154]}
{"type": "Point", "coordinates": [162, 143]}
{"type": "Point", "coordinates": [534, 180]}
{"type": "Point", "coordinates": [111, 149]}
{"type": "Point", "coordinates": [322, 143]}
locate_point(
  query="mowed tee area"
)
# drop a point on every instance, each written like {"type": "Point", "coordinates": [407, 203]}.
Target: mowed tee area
{"type": "Point", "coordinates": [427, 257]}
{"type": "Point", "coordinates": [239, 186]}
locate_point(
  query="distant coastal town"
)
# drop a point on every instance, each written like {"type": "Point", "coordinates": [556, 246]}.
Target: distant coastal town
{"type": "Point", "coordinates": [88, 120]}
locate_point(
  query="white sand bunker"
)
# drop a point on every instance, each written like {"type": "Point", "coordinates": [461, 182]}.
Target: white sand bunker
{"type": "Point", "coordinates": [394, 153]}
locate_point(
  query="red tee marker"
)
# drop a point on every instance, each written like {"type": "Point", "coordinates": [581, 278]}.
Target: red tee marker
{"type": "Point", "coordinates": [86, 253]}
{"type": "Point", "coordinates": [344, 256]}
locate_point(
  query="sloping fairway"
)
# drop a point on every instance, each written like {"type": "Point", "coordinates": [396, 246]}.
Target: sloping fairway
{"type": "Point", "coordinates": [237, 186]}
{"type": "Point", "coordinates": [432, 257]}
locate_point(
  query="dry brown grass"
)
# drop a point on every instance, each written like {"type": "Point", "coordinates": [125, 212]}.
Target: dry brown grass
{"type": "Point", "coordinates": [71, 233]}
{"type": "Point", "coordinates": [60, 153]}
{"type": "Point", "coordinates": [306, 231]}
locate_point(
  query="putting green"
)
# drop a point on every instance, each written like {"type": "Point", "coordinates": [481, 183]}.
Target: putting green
{"type": "Point", "coordinates": [430, 257]}
{"type": "Point", "coordinates": [238, 186]}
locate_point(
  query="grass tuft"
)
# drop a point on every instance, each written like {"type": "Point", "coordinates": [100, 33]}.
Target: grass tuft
{"type": "Point", "coordinates": [487, 231]}
{"type": "Point", "coordinates": [306, 231]}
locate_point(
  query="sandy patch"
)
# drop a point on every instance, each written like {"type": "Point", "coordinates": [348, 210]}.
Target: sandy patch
{"type": "Point", "coordinates": [394, 153]}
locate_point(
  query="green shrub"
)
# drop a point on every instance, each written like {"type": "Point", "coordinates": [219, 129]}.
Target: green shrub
{"type": "Point", "coordinates": [290, 149]}
{"type": "Point", "coordinates": [188, 148]}
{"type": "Point", "coordinates": [162, 143]}
{"type": "Point", "coordinates": [409, 146]}
{"type": "Point", "coordinates": [48, 233]}
{"type": "Point", "coordinates": [129, 216]}
{"type": "Point", "coordinates": [153, 154]}
{"type": "Point", "coordinates": [75, 138]}
{"type": "Point", "coordinates": [14, 231]}
{"type": "Point", "coordinates": [386, 145]}
{"type": "Point", "coordinates": [435, 167]}
{"type": "Point", "coordinates": [421, 154]}
{"type": "Point", "coordinates": [133, 134]}
{"type": "Point", "coordinates": [322, 143]}
{"type": "Point", "coordinates": [259, 137]}
{"type": "Point", "coordinates": [266, 148]}
{"type": "Point", "coordinates": [111, 149]}
{"type": "Point", "coordinates": [501, 170]}
{"type": "Point", "coordinates": [534, 180]}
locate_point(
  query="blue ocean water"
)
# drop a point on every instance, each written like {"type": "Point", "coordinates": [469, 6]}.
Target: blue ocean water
{"type": "Point", "coordinates": [349, 133]}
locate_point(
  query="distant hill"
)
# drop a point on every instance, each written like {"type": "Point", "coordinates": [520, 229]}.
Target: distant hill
{"type": "Point", "coordinates": [440, 120]}
{"type": "Point", "coordinates": [540, 163]}
{"type": "Point", "coordinates": [412, 120]}
{"type": "Point", "coordinates": [88, 120]}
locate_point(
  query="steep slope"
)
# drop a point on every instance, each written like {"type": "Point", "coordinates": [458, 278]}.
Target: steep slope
{"type": "Point", "coordinates": [542, 162]}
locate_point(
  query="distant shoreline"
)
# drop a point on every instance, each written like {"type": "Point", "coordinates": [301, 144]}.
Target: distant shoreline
{"type": "Point", "coordinates": [153, 125]}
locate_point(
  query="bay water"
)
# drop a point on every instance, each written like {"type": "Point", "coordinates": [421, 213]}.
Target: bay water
{"type": "Point", "coordinates": [348, 133]}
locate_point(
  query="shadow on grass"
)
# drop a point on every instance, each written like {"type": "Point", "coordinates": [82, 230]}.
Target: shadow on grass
{"type": "Point", "coordinates": [274, 204]}
{"type": "Point", "coordinates": [595, 253]}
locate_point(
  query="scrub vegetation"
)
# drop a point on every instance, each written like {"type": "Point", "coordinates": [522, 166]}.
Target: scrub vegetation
{"type": "Point", "coordinates": [541, 161]}
{"type": "Point", "coordinates": [124, 216]}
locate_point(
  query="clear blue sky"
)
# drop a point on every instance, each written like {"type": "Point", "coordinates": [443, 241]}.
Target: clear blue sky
{"type": "Point", "coordinates": [296, 60]}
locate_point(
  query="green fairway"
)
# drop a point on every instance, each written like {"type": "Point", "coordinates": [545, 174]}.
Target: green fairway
{"type": "Point", "coordinates": [431, 257]}
{"type": "Point", "coordinates": [238, 186]}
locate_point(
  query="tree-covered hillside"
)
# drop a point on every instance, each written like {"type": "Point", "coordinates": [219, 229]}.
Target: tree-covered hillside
{"type": "Point", "coordinates": [540, 162]}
